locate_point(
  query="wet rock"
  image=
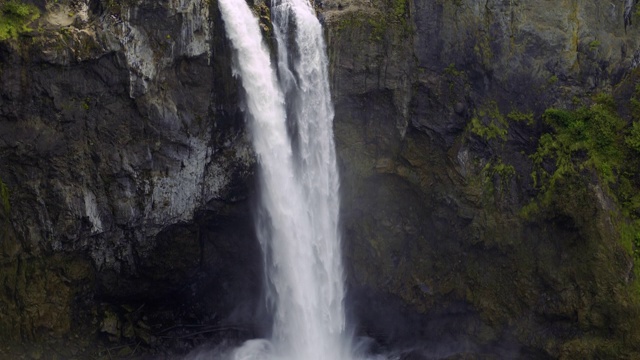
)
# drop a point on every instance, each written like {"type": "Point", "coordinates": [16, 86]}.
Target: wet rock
{"type": "Point", "coordinates": [422, 207]}
{"type": "Point", "coordinates": [110, 324]}
{"type": "Point", "coordinates": [120, 130]}
{"type": "Point", "coordinates": [130, 173]}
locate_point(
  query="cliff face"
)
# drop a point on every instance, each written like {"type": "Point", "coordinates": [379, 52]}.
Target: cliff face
{"type": "Point", "coordinates": [439, 110]}
{"type": "Point", "coordinates": [129, 175]}
{"type": "Point", "coordinates": [127, 167]}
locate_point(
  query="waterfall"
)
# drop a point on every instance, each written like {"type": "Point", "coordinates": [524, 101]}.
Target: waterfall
{"type": "Point", "coordinates": [290, 117]}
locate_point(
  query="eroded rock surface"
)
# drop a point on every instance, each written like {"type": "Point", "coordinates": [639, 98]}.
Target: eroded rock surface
{"type": "Point", "coordinates": [129, 178]}
{"type": "Point", "coordinates": [127, 166]}
{"type": "Point", "coordinates": [433, 201]}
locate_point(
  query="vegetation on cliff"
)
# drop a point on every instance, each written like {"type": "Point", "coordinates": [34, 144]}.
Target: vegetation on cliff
{"type": "Point", "coordinates": [596, 140]}
{"type": "Point", "coordinates": [4, 197]}
{"type": "Point", "coordinates": [15, 18]}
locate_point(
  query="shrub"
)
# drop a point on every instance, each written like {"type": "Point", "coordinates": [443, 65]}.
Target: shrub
{"type": "Point", "coordinates": [4, 197]}
{"type": "Point", "coordinates": [15, 18]}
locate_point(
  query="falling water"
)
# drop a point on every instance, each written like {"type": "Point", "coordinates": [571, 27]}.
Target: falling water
{"type": "Point", "coordinates": [291, 124]}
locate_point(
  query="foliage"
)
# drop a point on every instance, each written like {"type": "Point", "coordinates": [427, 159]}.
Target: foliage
{"type": "Point", "coordinates": [399, 8]}
{"type": "Point", "coordinates": [587, 138]}
{"type": "Point", "coordinates": [376, 22]}
{"type": "Point", "coordinates": [483, 49]}
{"type": "Point", "coordinates": [502, 171]}
{"type": "Point", "coordinates": [630, 236]}
{"type": "Point", "coordinates": [633, 139]}
{"type": "Point", "coordinates": [518, 116]}
{"type": "Point", "coordinates": [451, 70]}
{"type": "Point", "coordinates": [591, 140]}
{"type": "Point", "coordinates": [15, 18]}
{"type": "Point", "coordinates": [389, 18]}
{"type": "Point", "coordinates": [635, 104]}
{"type": "Point", "coordinates": [4, 197]}
{"type": "Point", "coordinates": [489, 123]}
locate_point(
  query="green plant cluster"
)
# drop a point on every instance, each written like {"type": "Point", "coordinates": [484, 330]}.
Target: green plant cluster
{"type": "Point", "coordinates": [4, 197]}
{"type": "Point", "coordinates": [586, 141]}
{"type": "Point", "coordinates": [489, 123]}
{"type": "Point", "coordinates": [493, 169]}
{"type": "Point", "coordinates": [15, 17]}
{"type": "Point", "coordinates": [400, 9]}
{"type": "Point", "coordinates": [635, 104]}
{"type": "Point", "coordinates": [392, 16]}
{"type": "Point", "coordinates": [452, 71]}
{"type": "Point", "coordinates": [589, 137]}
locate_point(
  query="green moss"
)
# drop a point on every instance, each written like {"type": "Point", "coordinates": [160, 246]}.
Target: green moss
{"type": "Point", "coordinates": [482, 48]}
{"type": "Point", "coordinates": [591, 140]}
{"type": "Point", "coordinates": [487, 132]}
{"type": "Point", "coordinates": [15, 17]}
{"type": "Point", "coordinates": [489, 123]}
{"type": "Point", "coordinates": [633, 138]}
{"type": "Point", "coordinates": [4, 197]}
{"type": "Point", "coordinates": [263, 13]}
{"type": "Point", "coordinates": [378, 26]}
{"type": "Point", "coordinates": [630, 236]}
{"type": "Point", "coordinates": [350, 21]}
{"type": "Point", "coordinates": [581, 139]}
{"type": "Point", "coordinates": [497, 172]}
{"type": "Point", "coordinates": [635, 104]}
{"type": "Point", "coordinates": [399, 9]}
{"type": "Point", "coordinates": [390, 17]}
{"type": "Point", "coordinates": [85, 104]}
{"type": "Point", "coordinates": [529, 211]}
{"type": "Point", "coordinates": [518, 116]}
{"type": "Point", "coordinates": [505, 171]}
{"type": "Point", "coordinates": [593, 348]}
{"type": "Point", "coordinates": [452, 71]}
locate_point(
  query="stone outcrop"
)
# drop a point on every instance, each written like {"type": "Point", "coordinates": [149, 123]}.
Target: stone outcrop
{"type": "Point", "coordinates": [129, 178]}
{"type": "Point", "coordinates": [436, 163]}
{"type": "Point", "coordinates": [127, 167]}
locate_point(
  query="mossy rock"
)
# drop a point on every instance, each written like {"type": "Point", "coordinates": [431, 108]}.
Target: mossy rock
{"type": "Point", "coordinates": [15, 17]}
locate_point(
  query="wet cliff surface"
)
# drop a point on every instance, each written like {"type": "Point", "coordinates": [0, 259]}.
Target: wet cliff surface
{"type": "Point", "coordinates": [128, 173]}
{"type": "Point", "coordinates": [127, 179]}
{"type": "Point", "coordinates": [441, 108]}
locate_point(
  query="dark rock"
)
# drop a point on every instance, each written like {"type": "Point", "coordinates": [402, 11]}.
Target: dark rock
{"type": "Point", "coordinates": [130, 174]}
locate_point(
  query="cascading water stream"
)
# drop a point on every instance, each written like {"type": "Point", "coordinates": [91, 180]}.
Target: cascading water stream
{"type": "Point", "coordinates": [299, 181]}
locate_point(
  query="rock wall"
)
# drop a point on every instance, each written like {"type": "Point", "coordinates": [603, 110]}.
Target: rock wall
{"type": "Point", "coordinates": [436, 160]}
{"type": "Point", "coordinates": [126, 179]}
{"type": "Point", "coordinates": [127, 167]}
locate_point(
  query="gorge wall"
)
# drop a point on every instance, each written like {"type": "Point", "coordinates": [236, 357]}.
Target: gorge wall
{"type": "Point", "coordinates": [439, 110]}
{"type": "Point", "coordinates": [128, 178]}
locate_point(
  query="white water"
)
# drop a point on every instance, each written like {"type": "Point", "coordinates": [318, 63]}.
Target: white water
{"type": "Point", "coordinates": [299, 189]}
